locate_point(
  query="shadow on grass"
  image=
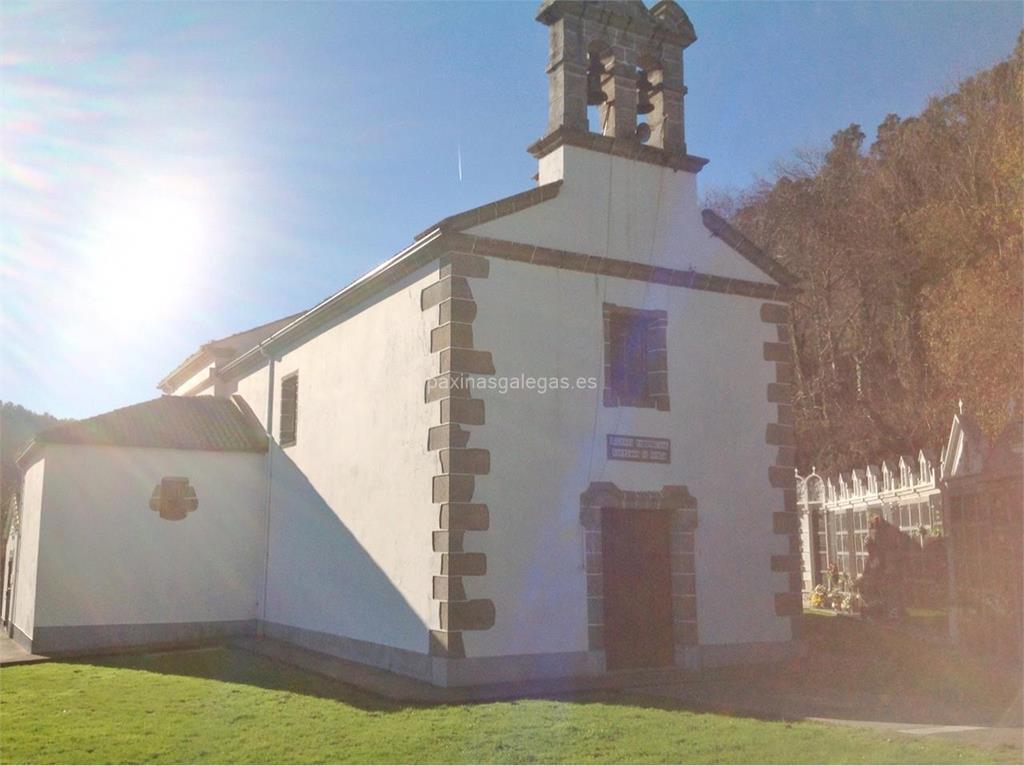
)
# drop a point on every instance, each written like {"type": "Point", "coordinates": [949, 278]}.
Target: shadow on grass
{"type": "Point", "coordinates": [230, 665]}
{"type": "Point", "coordinates": [862, 670]}
{"type": "Point", "coordinates": [853, 670]}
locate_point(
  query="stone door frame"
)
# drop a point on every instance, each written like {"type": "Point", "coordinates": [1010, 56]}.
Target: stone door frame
{"type": "Point", "coordinates": [673, 499]}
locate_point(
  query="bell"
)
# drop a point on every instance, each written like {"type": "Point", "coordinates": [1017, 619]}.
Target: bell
{"type": "Point", "coordinates": [645, 89]}
{"type": "Point", "coordinates": [595, 93]}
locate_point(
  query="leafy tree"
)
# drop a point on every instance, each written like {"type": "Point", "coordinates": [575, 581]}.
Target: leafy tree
{"type": "Point", "coordinates": [909, 251]}
{"type": "Point", "coordinates": [17, 427]}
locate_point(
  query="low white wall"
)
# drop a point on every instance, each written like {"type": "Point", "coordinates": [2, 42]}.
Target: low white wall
{"type": "Point", "coordinates": [105, 558]}
{"type": "Point", "coordinates": [23, 613]}
{"type": "Point", "coordinates": [350, 540]}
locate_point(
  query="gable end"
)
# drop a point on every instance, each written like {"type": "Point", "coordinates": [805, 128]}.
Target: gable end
{"type": "Point", "coordinates": [726, 232]}
{"type": "Point", "coordinates": [493, 210]}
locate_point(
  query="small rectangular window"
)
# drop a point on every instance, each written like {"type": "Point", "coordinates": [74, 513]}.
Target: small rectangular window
{"type": "Point", "coordinates": [289, 410]}
{"type": "Point", "coordinates": [629, 357]}
{"type": "Point", "coordinates": [636, 360]}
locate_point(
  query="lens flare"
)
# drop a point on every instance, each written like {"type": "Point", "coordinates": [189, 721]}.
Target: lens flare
{"type": "Point", "coordinates": [146, 249]}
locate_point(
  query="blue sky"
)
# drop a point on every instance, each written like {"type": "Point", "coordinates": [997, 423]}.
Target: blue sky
{"type": "Point", "coordinates": [175, 172]}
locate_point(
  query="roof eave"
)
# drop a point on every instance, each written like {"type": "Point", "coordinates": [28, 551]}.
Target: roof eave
{"type": "Point", "coordinates": [185, 370]}
{"type": "Point", "coordinates": [494, 210]}
{"type": "Point", "coordinates": [213, 351]}
{"type": "Point", "coordinates": [30, 450]}
{"type": "Point", "coordinates": [735, 239]}
{"type": "Point", "coordinates": [423, 249]}
{"type": "Point", "coordinates": [366, 285]}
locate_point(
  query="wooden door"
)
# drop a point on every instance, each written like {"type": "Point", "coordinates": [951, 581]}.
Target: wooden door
{"type": "Point", "coordinates": [637, 588]}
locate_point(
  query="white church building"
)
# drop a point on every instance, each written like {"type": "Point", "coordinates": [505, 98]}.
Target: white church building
{"type": "Point", "coordinates": [551, 438]}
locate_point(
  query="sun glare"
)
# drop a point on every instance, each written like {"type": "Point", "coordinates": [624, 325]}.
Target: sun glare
{"type": "Point", "coordinates": [148, 251]}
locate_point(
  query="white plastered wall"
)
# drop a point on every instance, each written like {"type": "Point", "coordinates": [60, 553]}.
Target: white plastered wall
{"type": "Point", "coordinates": [351, 523]}
{"type": "Point", "coordinates": [202, 376]}
{"type": "Point", "coordinates": [105, 558]}
{"type": "Point", "coordinates": [547, 448]}
{"type": "Point", "coordinates": [23, 613]}
{"type": "Point", "coordinates": [619, 208]}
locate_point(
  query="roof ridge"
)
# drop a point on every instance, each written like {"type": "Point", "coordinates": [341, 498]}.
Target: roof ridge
{"type": "Point", "coordinates": [211, 346]}
{"type": "Point", "coordinates": [218, 341]}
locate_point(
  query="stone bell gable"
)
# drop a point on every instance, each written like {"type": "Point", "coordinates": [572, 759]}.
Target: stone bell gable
{"type": "Point", "coordinates": [626, 60]}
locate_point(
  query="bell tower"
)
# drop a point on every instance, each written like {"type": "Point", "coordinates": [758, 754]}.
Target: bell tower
{"type": "Point", "coordinates": [627, 61]}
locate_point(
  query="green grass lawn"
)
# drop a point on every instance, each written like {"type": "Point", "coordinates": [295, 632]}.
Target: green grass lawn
{"type": "Point", "coordinates": [226, 706]}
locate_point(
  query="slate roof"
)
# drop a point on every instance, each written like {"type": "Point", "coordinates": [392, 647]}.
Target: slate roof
{"type": "Point", "coordinates": [231, 345]}
{"type": "Point", "coordinates": [170, 422]}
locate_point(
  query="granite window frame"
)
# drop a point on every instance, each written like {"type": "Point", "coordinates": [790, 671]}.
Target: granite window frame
{"type": "Point", "coordinates": [288, 422]}
{"type": "Point", "coordinates": [646, 385]}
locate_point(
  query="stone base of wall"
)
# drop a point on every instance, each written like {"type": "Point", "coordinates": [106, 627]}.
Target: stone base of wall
{"type": "Point", "coordinates": [475, 671]}
{"type": "Point", "coordinates": [400, 661]}
{"type": "Point", "coordinates": [21, 639]}
{"type": "Point", "coordinates": [499, 676]}
{"type": "Point", "coordinates": [491, 677]}
{"type": "Point", "coordinates": [713, 656]}
{"type": "Point", "coordinates": [440, 671]}
{"type": "Point", "coordinates": [59, 640]}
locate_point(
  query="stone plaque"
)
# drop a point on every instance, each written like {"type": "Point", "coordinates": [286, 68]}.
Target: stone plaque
{"type": "Point", "coordinates": [639, 449]}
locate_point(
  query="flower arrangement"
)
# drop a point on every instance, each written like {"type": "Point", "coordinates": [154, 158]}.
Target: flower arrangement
{"type": "Point", "coordinates": [819, 597]}
{"type": "Point", "coordinates": [835, 598]}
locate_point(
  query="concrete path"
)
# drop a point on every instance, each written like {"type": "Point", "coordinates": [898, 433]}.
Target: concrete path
{"type": "Point", "coordinates": [12, 654]}
{"type": "Point", "coordinates": [923, 717]}
{"type": "Point", "coordinates": [984, 736]}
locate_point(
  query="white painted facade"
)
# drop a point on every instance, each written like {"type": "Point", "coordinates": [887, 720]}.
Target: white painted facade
{"type": "Point", "coordinates": [201, 382]}
{"type": "Point", "coordinates": [26, 554]}
{"type": "Point", "coordinates": [623, 209]}
{"type": "Point", "coordinates": [340, 526]}
{"type": "Point", "coordinates": [547, 448]}
{"type": "Point", "coordinates": [351, 513]}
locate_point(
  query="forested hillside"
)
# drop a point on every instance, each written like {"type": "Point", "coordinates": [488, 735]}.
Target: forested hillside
{"type": "Point", "coordinates": [910, 254]}
{"type": "Point", "coordinates": [17, 426]}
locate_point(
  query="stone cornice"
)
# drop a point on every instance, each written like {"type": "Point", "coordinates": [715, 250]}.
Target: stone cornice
{"type": "Point", "coordinates": [666, 21]}
{"type": "Point", "coordinates": [494, 210]}
{"type": "Point", "coordinates": [595, 264]}
{"type": "Point", "coordinates": [628, 148]}
{"type": "Point", "coordinates": [725, 231]}
{"type": "Point", "coordinates": [439, 242]}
